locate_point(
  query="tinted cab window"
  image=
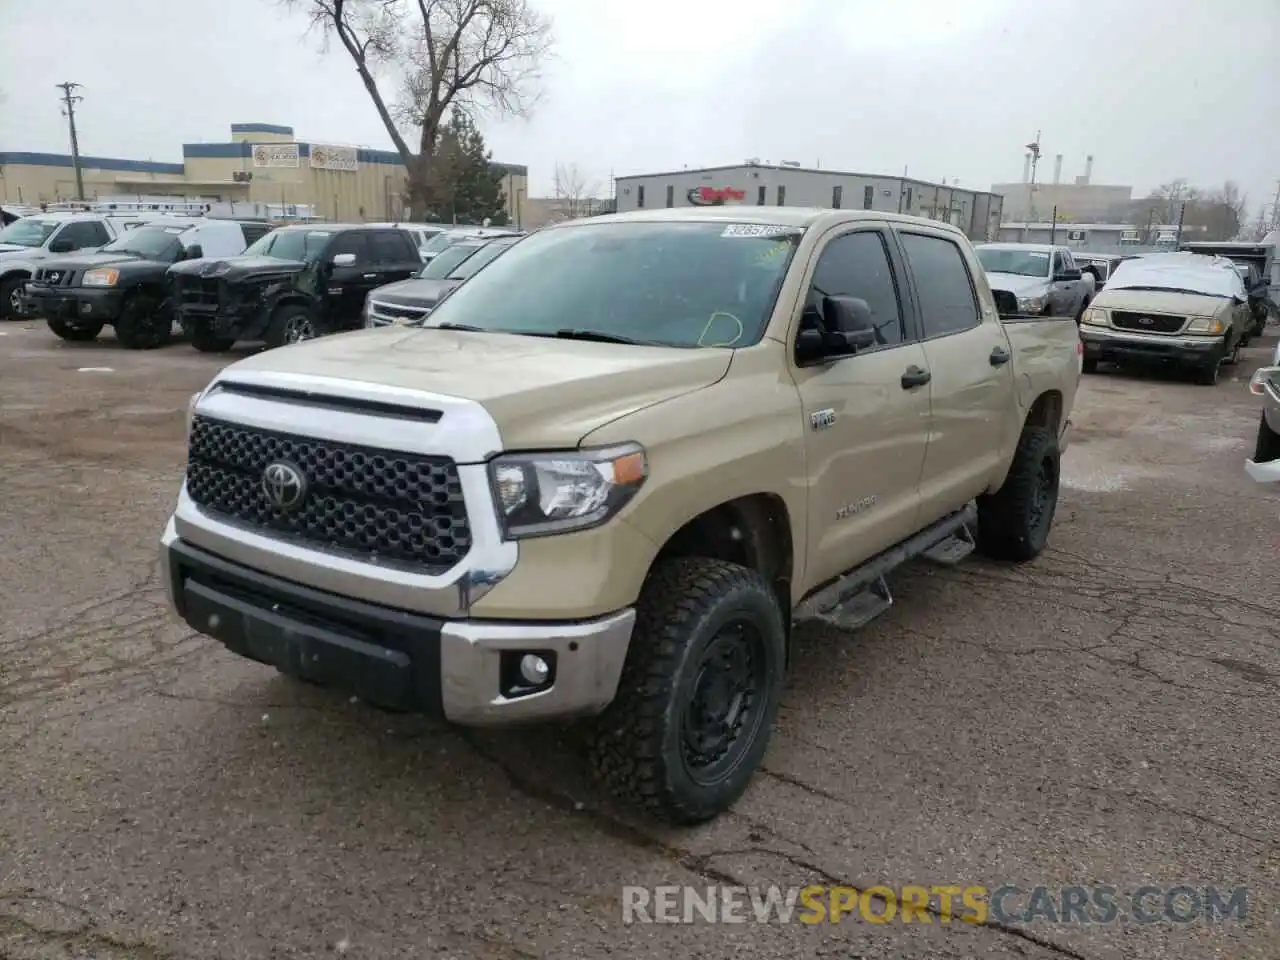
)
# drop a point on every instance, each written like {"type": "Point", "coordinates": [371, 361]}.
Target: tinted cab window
{"type": "Point", "coordinates": [948, 303]}
{"type": "Point", "coordinates": [857, 265]}
{"type": "Point", "coordinates": [355, 243]}
{"type": "Point", "coordinates": [77, 236]}
{"type": "Point", "coordinates": [391, 246]}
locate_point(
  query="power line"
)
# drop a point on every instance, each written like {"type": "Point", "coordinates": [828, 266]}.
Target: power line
{"type": "Point", "coordinates": [69, 101]}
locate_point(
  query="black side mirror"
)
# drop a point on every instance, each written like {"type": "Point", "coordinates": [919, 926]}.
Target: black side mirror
{"type": "Point", "coordinates": [62, 245]}
{"type": "Point", "coordinates": [1067, 275]}
{"type": "Point", "coordinates": [1006, 303]}
{"type": "Point", "coordinates": [194, 252]}
{"type": "Point", "coordinates": [843, 327]}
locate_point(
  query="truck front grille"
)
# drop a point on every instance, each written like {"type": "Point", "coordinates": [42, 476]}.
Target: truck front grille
{"type": "Point", "coordinates": [53, 277]}
{"type": "Point", "coordinates": [202, 293]}
{"type": "Point", "coordinates": [376, 505]}
{"type": "Point", "coordinates": [1146, 322]}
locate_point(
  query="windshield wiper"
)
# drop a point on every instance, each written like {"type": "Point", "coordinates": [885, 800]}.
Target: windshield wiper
{"type": "Point", "coordinates": [454, 326]}
{"type": "Point", "coordinates": [596, 335]}
{"type": "Point", "coordinates": [1197, 293]}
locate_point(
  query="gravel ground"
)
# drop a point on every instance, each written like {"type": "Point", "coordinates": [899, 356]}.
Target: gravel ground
{"type": "Point", "coordinates": [1106, 715]}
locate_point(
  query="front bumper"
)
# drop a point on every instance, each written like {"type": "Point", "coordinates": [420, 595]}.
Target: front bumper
{"type": "Point", "coordinates": [1105, 345]}
{"type": "Point", "coordinates": [85, 305]}
{"type": "Point", "coordinates": [462, 670]}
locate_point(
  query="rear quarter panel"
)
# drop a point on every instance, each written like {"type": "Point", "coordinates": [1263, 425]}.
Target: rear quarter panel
{"type": "Point", "coordinates": [1046, 358]}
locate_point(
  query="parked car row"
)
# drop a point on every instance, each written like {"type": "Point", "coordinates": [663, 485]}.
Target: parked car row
{"type": "Point", "coordinates": [1194, 309]}
{"type": "Point", "coordinates": [225, 281]}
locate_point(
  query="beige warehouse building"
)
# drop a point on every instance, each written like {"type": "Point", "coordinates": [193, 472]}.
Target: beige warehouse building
{"type": "Point", "coordinates": [262, 163]}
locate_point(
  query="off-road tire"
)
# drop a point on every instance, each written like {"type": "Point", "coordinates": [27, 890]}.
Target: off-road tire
{"type": "Point", "coordinates": [145, 322]}
{"type": "Point", "coordinates": [636, 745]}
{"type": "Point", "coordinates": [1207, 375]}
{"type": "Point", "coordinates": [278, 331]}
{"type": "Point", "coordinates": [1267, 447]}
{"type": "Point", "coordinates": [1009, 527]}
{"type": "Point", "coordinates": [206, 341]}
{"type": "Point", "coordinates": [81, 334]}
{"type": "Point", "coordinates": [1089, 366]}
{"type": "Point", "coordinates": [7, 289]}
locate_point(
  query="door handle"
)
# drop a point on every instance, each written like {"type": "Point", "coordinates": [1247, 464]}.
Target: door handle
{"type": "Point", "coordinates": [999, 356]}
{"type": "Point", "coordinates": [370, 276]}
{"type": "Point", "coordinates": [914, 377]}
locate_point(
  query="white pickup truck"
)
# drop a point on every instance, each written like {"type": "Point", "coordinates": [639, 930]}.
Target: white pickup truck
{"type": "Point", "coordinates": [30, 240]}
{"type": "Point", "coordinates": [1045, 278]}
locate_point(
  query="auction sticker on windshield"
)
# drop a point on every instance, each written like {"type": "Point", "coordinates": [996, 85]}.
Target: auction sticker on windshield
{"type": "Point", "coordinates": [759, 231]}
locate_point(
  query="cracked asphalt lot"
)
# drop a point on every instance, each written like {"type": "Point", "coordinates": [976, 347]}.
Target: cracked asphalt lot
{"type": "Point", "coordinates": [1105, 715]}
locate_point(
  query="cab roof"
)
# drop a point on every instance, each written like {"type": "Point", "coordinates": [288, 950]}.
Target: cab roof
{"type": "Point", "coordinates": [800, 217]}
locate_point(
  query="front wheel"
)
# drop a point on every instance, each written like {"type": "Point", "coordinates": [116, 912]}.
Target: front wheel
{"type": "Point", "coordinates": [11, 297]}
{"type": "Point", "coordinates": [699, 692]}
{"type": "Point", "coordinates": [206, 341]}
{"type": "Point", "coordinates": [1014, 522]}
{"type": "Point", "coordinates": [1090, 365]}
{"type": "Point", "coordinates": [145, 322]}
{"type": "Point", "coordinates": [1207, 376]}
{"type": "Point", "coordinates": [1267, 447]}
{"type": "Point", "coordinates": [291, 324]}
{"type": "Point", "coordinates": [1233, 357]}
{"type": "Point", "coordinates": [78, 334]}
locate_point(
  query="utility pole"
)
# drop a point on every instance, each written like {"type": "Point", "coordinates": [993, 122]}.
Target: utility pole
{"type": "Point", "coordinates": [1034, 148]}
{"type": "Point", "coordinates": [69, 101]}
{"type": "Point", "coordinates": [1275, 209]}
{"type": "Point", "coordinates": [1182, 213]}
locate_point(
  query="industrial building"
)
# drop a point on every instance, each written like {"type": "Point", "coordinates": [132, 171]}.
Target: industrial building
{"type": "Point", "coordinates": [1081, 201]}
{"type": "Point", "coordinates": [262, 163]}
{"type": "Point", "coordinates": [755, 184]}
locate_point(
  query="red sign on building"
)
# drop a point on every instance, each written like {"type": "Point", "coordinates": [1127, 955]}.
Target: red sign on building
{"type": "Point", "coordinates": [715, 196]}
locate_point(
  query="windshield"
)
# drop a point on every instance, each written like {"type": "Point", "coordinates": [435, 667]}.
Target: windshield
{"type": "Point", "coordinates": [149, 243]}
{"type": "Point", "coordinates": [663, 283]}
{"type": "Point", "coordinates": [302, 245]}
{"type": "Point", "coordinates": [1023, 263]}
{"type": "Point", "coordinates": [28, 232]}
{"type": "Point", "coordinates": [473, 263]}
{"type": "Point", "coordinates": [442, 264]}
{"type": "Point", "coordinates": [441, 241]}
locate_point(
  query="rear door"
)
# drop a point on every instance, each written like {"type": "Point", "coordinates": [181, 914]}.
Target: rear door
{"type": "Point", "coordinates": [394, 255]}
{"type": "Point", "coordinates": [866, 429]}
{"type": "Point", "coordinates": [971, 371]}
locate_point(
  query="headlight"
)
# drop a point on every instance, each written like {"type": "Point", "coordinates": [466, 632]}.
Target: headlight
{"type": "Point", "coordinates": [1095, 317]}
{"type": "Point", "coordinates": [1205, 325]}
{"type": "Point", "coordinates": [191, 411]}
{"type": "Point", "coordinates": [539, 494]}
{"type": "Point", "coordinates": [102, 277]}
{"type": "Point", "coordinates": [1030, 304]}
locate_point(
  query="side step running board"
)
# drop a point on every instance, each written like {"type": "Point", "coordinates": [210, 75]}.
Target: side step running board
{"type": "Point", "coordinates": [849, 588]}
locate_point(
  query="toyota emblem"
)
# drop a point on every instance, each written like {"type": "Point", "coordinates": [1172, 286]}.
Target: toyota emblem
{"type": "Point", "coordinates": [284, 485]}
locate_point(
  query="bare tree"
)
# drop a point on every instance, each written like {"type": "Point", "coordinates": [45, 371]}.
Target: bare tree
{"type": "Point", "coordinates": [574, 191]}
{"type": "Point", "coordinates": [443, 55]}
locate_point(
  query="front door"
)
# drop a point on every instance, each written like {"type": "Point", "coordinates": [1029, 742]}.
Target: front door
{"type": "Point", "coordinates": [346, 286]}
{"type": "Point", "coordinates": [971, 367]}
{"type": "Point", "coordinates": [866, 429]}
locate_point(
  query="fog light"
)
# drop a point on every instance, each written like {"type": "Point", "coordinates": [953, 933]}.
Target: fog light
{"type": "Point", "coordinates": [534, 669]}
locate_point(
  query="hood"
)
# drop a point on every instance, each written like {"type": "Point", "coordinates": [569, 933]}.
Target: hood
{"type": "Point", "coordinates": [236, 268]}
{"type": "Point", "coordinates": [543, 393]}
{"type": "Point", "coordinates": [1019, 285]}
{"type": "Point", "coordinates": [82, 262]}
{"type": "Point", "coordinates": [1160, 301]}
{"type": "Point", "coordinates": [16, 248]}
{"type": "Point", "coordinates": [12, 251]}
{"type": "Point", "coordinates": [414, 292]}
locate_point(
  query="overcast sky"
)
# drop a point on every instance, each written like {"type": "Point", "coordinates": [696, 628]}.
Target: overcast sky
{"type": "Point", "coordinates": [1154, 89]}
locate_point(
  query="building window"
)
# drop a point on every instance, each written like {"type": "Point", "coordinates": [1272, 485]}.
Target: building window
{"type": "Point", "coordinates": [868, 197]}
{"type": "Point", "coordinates": [640, 196]}
{"type": "Point", "coordinates": [782, 195]}
{"type": "Point", "coordinates": [760, 195]}
{"type": "Point", "coordinates": [671, 195]}
{"type": "Point", "coordinates": [837, 194]}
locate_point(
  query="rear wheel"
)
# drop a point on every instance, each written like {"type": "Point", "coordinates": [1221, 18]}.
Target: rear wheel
{"type": "Point", "coordinates": [699, 692]}
{"type": "Point", "coordinates": [145, 322]}
{"type": "Point", "coordinates": [291, 324]}
{"type": "Point", "coordinates": [1014, 522]}
{"type": "Point", "coordinates": [78, 334]}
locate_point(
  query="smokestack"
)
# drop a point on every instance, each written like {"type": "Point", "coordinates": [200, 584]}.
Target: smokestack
{"type": "Point", "coordinates": [1057, 168]}
{"type": "Point", "coordinates": [1026, 169]}
{"type": "Point", "coordinates": [1088, 168]}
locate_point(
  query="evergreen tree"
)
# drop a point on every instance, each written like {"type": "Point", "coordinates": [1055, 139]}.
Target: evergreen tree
{"type": "Point", "coordinates": [465, 184]}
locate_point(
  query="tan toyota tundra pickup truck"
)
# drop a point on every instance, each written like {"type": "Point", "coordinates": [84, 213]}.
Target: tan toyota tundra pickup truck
{"type": "Point", "coordinates": [606, 475]}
